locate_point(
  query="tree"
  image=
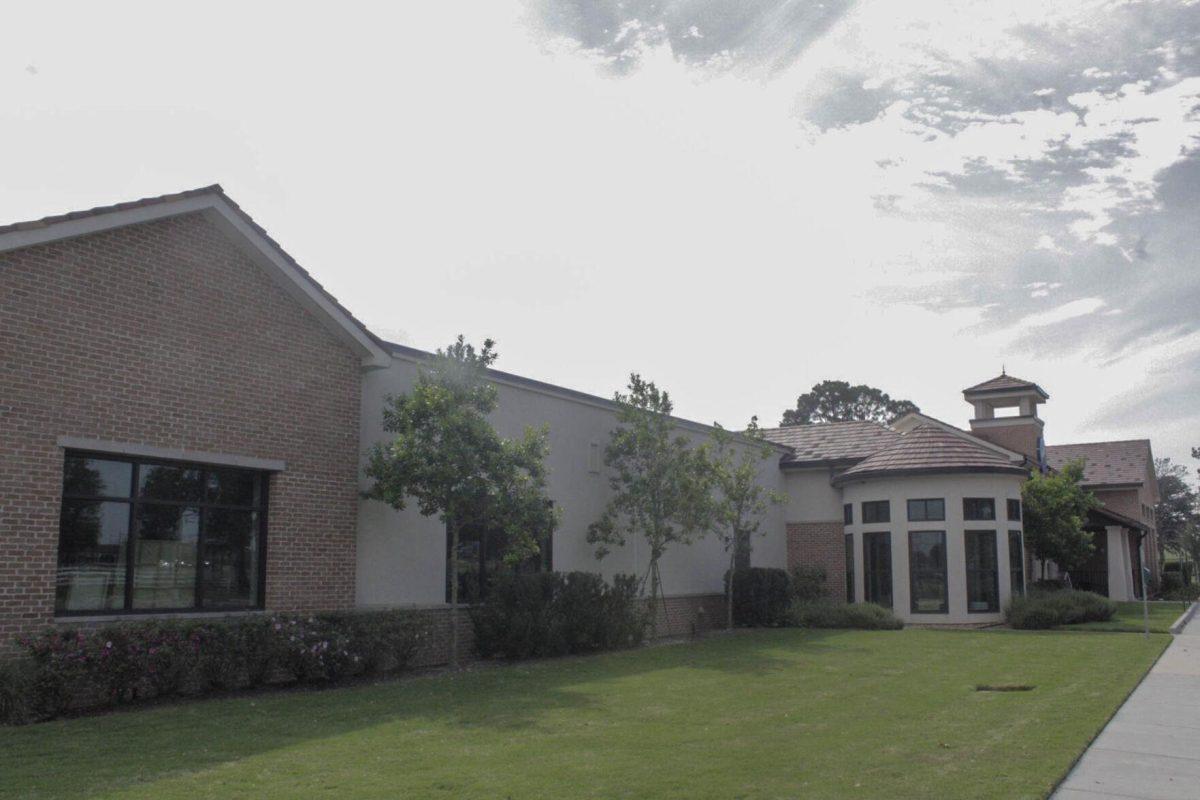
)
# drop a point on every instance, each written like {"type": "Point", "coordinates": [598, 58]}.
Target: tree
{"type": "Point", "coordinates": [660, 482]}
{"type": "Point", "coordinates": [446, 456]}
{"type": "Point", "coordinates": [838, 401]}
{"type": "Point", "coordinates": [1056, 509]}
{"type": "Point", "coordinates": [1176, 508]}
{"type": "Point", "coordinates": [738, 500]}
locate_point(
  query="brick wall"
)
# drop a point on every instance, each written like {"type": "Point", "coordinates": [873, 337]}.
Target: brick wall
{"type": "Point", "coordinates": [1020, 438]}
{"type": "Point", "coordinates": [164, 334]}
{"type": "Point", "coordinates": [821, 544]}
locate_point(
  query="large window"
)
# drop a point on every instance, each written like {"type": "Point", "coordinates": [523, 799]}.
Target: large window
{"type": "Point", "coordinates": [848, 514]}
{"type": "Point", "coordinates": [877, 568]}
{"type": "Point", "coordinates": [849, 567]}
{"type": "Point", "coordinates": [931, 510]}
{"type": "Point", "coordinates": [983, 580]}
{"type": "Point", "coordinates": [1014, 510]}
{"type": "Point", "coordinates": [927, 572]}
{"type": "Point", "coordinates": [876, 511]}
{"type": "Point", "coordinates": [481, 554]}
{"type": "Point", "coordinates": [140, 535]}
{"type": "Point", "coordinates": [1016, 564]}
{"type": "Point", "coordinates": [979, 508]}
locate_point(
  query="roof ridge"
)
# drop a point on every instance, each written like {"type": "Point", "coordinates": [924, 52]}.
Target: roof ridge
{"type": "Point", "coordinates": [1104, 441]}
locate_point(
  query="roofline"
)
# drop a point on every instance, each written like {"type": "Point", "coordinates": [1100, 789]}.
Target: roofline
{"type": "Point", "coordinates": [1011, 455]}
{"type": "Point", "coordinates": [1128, 522]}
{"type": "Point", "coordinates": [913, 471]}
{"type": "Point", "coordinates": [248, 235]}
{"type": "Point", "coordinates": [416, 355]}
{"type": "Point", "coordinates": [1108, 441]}
{"type": "Point", "coordinates": [819, 463]}
{"type": "Point", "coordinates": [1007, 390]}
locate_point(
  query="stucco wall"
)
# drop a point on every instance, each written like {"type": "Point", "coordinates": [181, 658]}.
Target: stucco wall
{"type": "Point", "coordinates": [401, 555]}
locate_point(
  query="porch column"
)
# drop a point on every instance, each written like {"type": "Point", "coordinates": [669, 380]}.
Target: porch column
{"type": "Point", "coordinates": [1120, 570]}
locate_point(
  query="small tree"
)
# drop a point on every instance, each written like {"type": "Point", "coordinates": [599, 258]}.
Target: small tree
{"type": "Point", "coordinates": [838, 401]}
{"type": "Point", "coordinates": [446, 456]}
{"type": "Point", "coordinates": [660, 482]}
{"type": "Point", "coordinates": [739, 500]}
{"type": "Point", "coordinates": [1056, 509]}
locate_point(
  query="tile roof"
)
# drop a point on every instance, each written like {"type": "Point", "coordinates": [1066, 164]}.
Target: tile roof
{"type": "Point", "coordinates": [1105, 463]}
{"type": "Point", "coordinates": [929, 448]}
{"type": "Point", "coordinates": [830, 441]}
{"type": "Point", "coordinates": [1003, 383]}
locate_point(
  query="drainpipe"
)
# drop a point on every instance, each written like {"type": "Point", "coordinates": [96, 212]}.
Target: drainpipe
{"type": "Point", "coordinates": [1142, 575]}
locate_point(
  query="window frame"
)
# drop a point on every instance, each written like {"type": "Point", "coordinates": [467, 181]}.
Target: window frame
{"type": "Point", "coordinates": [1020, 563]}
{"type": "Point", "coordinates": [967, 518]}
{"type": "Point", "coordinates": [847, 513]}
{"type": "Point", "coordinates": [875, 505]}
{"type": "Point", "coordinates": [1014, 505]}
{"type": "Point", "coordinates": [870, 568]}
{"type": "Point", "coordinates": [925, 501]}
{"type": "Point", "coordinates": [134, 501]}
{"type": "Point", "coordinates": [912, 575]}
{"type": "Point", "coordinates": [995, 572]}
{"type": "Point", "coordinates": [544, 563]}
{"type": "Point", "coordinates": [850, 587]}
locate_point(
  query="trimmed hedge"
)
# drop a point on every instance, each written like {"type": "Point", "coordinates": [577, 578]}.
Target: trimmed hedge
{"type": "Point", "coordinates": [829, 614]}
{"type": "Point", "coordinates": [122, 663]}
{"type": "Point", "coordinates": [761, 596]}
{"type": "Point", "coordinates": [528, 615]}
{"type": "Point", "coordinates": [809, 583]}
{"type": "Point", "coordinates": [1040, 609]}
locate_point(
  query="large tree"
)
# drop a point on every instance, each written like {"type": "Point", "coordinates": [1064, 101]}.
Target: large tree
{"type": "Point", "coordinates": [739, 500]}
{"type": "Point", "coordinates": [446, 456]}
{"type": "Point", "coordinates": [1056, 509]}
{"type": "Point", "coordinates": [659, 480]}
{"type": "Point", "coordinates": [1176, 508]}
{"type": "Point", "coordinates": [838, 401]}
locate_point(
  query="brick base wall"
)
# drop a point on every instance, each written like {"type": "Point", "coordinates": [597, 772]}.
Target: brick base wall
{"type": "Point", "coordinates": [820, 544]}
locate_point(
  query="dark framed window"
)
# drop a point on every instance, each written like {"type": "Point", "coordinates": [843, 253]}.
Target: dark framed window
{"type": "Point", "coordinates": [983, 580]}
{"type": "Point", "coordinates": [979, 508]}
{"type": "Point", "coordinates": [1016, 564]}
{"type": "Point", "coordinates": [849, 567]}
{"type": "Point", "coordinates": [481, 554]}
{"type": "Point", "coordinates": [848, 513]}
{"type": "Point", "coordinates": [877, 568]}
{"type": "Point", "coordinates": [1014, 510]}
{"type": "Point", "coordinates": [930, 510]}
{"type": "Point", "coordinates": [143, 535]}
{"type": "Point", "coordinates": [876, 511]}
{"type": "Point", "coordinates": [928, 591]}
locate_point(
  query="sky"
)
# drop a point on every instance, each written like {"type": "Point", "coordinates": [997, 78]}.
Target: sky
{"type": "Point", "coordinates": [735, 200]}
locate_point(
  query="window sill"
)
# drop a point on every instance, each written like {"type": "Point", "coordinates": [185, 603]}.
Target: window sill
{"type": "Point", "coordinates": [68, 619]}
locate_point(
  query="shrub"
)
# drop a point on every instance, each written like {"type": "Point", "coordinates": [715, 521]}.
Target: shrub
{"type": "Point", "coordinates": [551, 614]}
{"type": "Point", "coordinates": [1049, 585]}
{"type": "Point", "coordinates": [1040, 609]}
{"type": "Point", "coordinates": [17, 677]}
{"type": "Point", "coordinates": [1188, 594]}
{"type": "Point", "coordinates": [1171, 582]}
{"type": "Point", "coordinates": [829, 614]}
{"type": "Point", "coordinates": [808, 583]}
{"type": "Point", "coordinates": [761, 596]}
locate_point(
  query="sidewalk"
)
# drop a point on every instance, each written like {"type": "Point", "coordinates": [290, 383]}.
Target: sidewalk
{"type": "Point", "coordinates": [1151, 749]}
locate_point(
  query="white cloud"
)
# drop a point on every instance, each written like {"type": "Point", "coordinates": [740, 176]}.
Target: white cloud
{"type": "Point", "coordinates": [1071, 310]}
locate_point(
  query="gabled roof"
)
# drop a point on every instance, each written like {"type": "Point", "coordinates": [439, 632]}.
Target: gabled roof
{"type": "Point", "coordinates": [931, 449]}
{"type": "Point", "coordinates": [1004, 383]}
{"type": "Point", "coordinates": [1121, 463]}
{"type": "Point", "coordinates": [248, 235]}
{"type": "Point", "coordinates": [830, 441]}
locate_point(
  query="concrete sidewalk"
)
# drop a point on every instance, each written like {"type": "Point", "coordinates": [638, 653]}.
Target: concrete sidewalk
{"type": "Point", "coordinates": [1151, 749]}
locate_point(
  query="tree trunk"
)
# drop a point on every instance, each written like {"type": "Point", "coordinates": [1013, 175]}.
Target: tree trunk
{"type": "Point", "coordinates": [453, 594]}
{"type": "Point", "coordinates": [653, 595]}
{"type": "Point", "coordinates": [729, 589]}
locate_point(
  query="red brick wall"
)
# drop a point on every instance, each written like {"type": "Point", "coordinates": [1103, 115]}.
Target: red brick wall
{"type": "Point", "coordinates": [1020, 438]}
{"type": "Point", "coordinates": [164, 334]}
{"type": "Point", "coordinates": [821, 544]}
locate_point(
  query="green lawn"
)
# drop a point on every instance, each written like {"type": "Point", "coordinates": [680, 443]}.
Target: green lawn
{"type": "Point", "coordinates": [1129, 617]}
{"type": "Point", "coordinates": [761, 714]}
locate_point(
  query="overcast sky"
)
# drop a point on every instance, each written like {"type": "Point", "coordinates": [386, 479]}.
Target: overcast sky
{"type": "Point", "coordinates": [737, 200]}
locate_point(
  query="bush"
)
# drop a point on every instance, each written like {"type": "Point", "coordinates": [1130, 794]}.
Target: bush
{"type": "Point", "coordinates": [808, 583]}
{"type": "Point", "coordinates": [1171, 582]}
{"type": "Point", "coordinates": [1040, 610]}
{"type": "Point", "coordinates": [16, 691]}
{"type": "Point", "coordinates": [1188, 594]}
{"type": "Point", "coordinates": [761, 596]}
{"type": "Point", "coordinates": [543, 614]}
{"type": "Point", "coordinates": [1049, 585]}
{"type": "Point", "coordinates": [125, 662]}
{"type": "Point", "coordinates": [829, 614]}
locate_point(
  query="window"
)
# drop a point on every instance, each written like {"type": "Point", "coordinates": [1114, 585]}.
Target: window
{"type": "Point", "coordinates": [1014, 510]}
{"type": "Point", "coordinates": [983, 585]}
{"type": "Point", "coordinates": [140, 535]}
{"type": "Point", "coordinates": [877, 568]}
{"type": "Point", "coordinates": [481, 558]}
{"type": "Point", "coordinates": [849, 567]}
{"type": "Point", "coordinates": [927, 572]}
{"type": "Point", "coordinates": [876, 511]}
{"type": "Point", "coordinates": [979, 508]}
{"type": "Point", "coordinates": [1016, 564]}
{"type": "Point", "coordinates": [594, 458]}
{"type": "Point", "coordinates": [926, 510]}
{"type": "Point", "coordinates": [848, 513]}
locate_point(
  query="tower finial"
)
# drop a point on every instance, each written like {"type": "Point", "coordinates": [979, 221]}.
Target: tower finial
{"type": "Point", "coordinates": [1003, 371]}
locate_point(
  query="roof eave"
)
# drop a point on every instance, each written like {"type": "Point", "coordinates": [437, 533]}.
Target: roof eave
{"type": "Point", "coordinates": [916, 471]}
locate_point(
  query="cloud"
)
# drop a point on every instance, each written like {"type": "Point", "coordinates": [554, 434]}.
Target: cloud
{"type": "Point", "coordinates": [1071, 310]}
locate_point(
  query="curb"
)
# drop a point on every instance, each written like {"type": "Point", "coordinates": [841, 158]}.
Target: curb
{"type": "Point", "coordinates": [1178, 625]}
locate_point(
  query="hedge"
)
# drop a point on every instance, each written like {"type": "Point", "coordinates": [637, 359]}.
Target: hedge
{"type": "Point", "coordinates": [1040, 609]}
{"type": "Point", "coordinates": [77, 668]}
{"type": "Point", "coordinates": [830, 614]}
{"type": "Point", "coordinates": [761, 596]}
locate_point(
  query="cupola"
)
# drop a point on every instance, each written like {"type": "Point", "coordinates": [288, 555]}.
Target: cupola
{"type": "Point", "coordinates": [1020, 431]}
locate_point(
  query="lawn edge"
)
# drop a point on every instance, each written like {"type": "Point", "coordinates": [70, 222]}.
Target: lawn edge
{"type": "Point", "coordinates": [1087, 745]}
{"type": "Point", "coordinates": [1178, 625]}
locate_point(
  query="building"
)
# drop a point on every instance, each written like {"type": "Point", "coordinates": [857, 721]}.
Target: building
{"type": "Point", "coordinates": [184, 412]}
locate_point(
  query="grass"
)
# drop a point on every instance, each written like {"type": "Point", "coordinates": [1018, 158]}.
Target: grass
{"type": "Point", "coordinates": [761, 714]}
{"type": "Point", "coordinates": [1129, 617]}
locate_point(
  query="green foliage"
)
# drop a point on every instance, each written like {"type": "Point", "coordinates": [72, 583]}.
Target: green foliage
{"type": "Point", "coordinates": [1055, 510]}
{"type": "Point", "coordinates": [539, 614]}
{"type": "Point", "coordinates": [1185, 592]}
{"type": "Point", "coordinates": [1178, 508]}
{"type": "Point", "coordinates": [829, 614]}
{"type": "Point", "coordinates": [1039, 610]}
{"type": "Point", "coordinates": [660, 482]}
{"type": "Point", "coordinates": [809, 583]}
{"type": "Point", "coordinates": [17, 690]}
{"type": "Point", "coordinates": [838, 401]}
{"type": "Point", "coordinates": [761, 596]}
